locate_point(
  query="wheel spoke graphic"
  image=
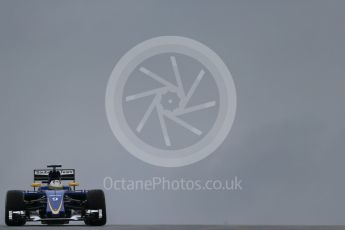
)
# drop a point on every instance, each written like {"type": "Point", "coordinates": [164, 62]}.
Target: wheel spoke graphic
{"type": "Point", "coordinates": [165, 108]}
{"type": "Point", "coordinates": [195, 108]}
{"type": "Point", "coordinates": [183, 123]}
{"type": "Point", "coordinates": [193, 88]}
{"type": "Point", "coordinates": [145, 94]}
{"type": "Point", "coordinates": [147, 114]}
{"type": "Point", "coordinates": [163, 126]}
{"type": "Point", "coordinates": [158, 78]}
{"type": "Point", "coordinates": [177, 76]}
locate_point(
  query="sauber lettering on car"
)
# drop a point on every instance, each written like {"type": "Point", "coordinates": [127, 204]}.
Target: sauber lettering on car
{"type": "Point", "coordinates": [46, 172]}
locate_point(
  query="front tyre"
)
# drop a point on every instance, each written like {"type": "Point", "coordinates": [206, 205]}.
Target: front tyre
{"type": "Point", "coordinates": [95, 209]}
{"type": "Point", "coordinates": [15, 208]}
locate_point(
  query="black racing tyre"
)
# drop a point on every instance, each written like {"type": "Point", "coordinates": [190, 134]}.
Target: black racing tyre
{"type": "Point", "coordinates": [95, 200]}
{"type": "Point", "coordinates": [14, 202]}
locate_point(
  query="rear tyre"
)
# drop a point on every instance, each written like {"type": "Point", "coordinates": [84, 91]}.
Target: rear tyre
{"type": "Point", "coordinates": [95, 200]}
{"type": "Point", "coordinates": [14, 203]}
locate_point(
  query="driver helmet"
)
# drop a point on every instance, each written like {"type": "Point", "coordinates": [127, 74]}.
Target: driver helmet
{"type": "Point", "coordinates": [55, 184]}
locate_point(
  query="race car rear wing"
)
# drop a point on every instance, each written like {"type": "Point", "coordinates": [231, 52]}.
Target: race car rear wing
{"type": "Point", "coordinates": [43, 174]}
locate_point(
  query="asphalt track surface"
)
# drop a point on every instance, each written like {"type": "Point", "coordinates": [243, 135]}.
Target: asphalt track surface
{"type": "Point", "coordinates": [175, 227]}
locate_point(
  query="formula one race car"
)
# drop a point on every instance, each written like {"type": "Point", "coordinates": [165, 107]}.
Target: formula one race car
{"type": "Point", "coordinates": [53, 203]}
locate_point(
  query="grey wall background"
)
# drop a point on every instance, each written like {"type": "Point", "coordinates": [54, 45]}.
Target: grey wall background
{"type": "Point", "coordinates": [287, 142]}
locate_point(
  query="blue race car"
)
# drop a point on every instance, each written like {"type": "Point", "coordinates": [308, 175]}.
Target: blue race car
{"type": "Point", "coordinates": [53, 203]}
